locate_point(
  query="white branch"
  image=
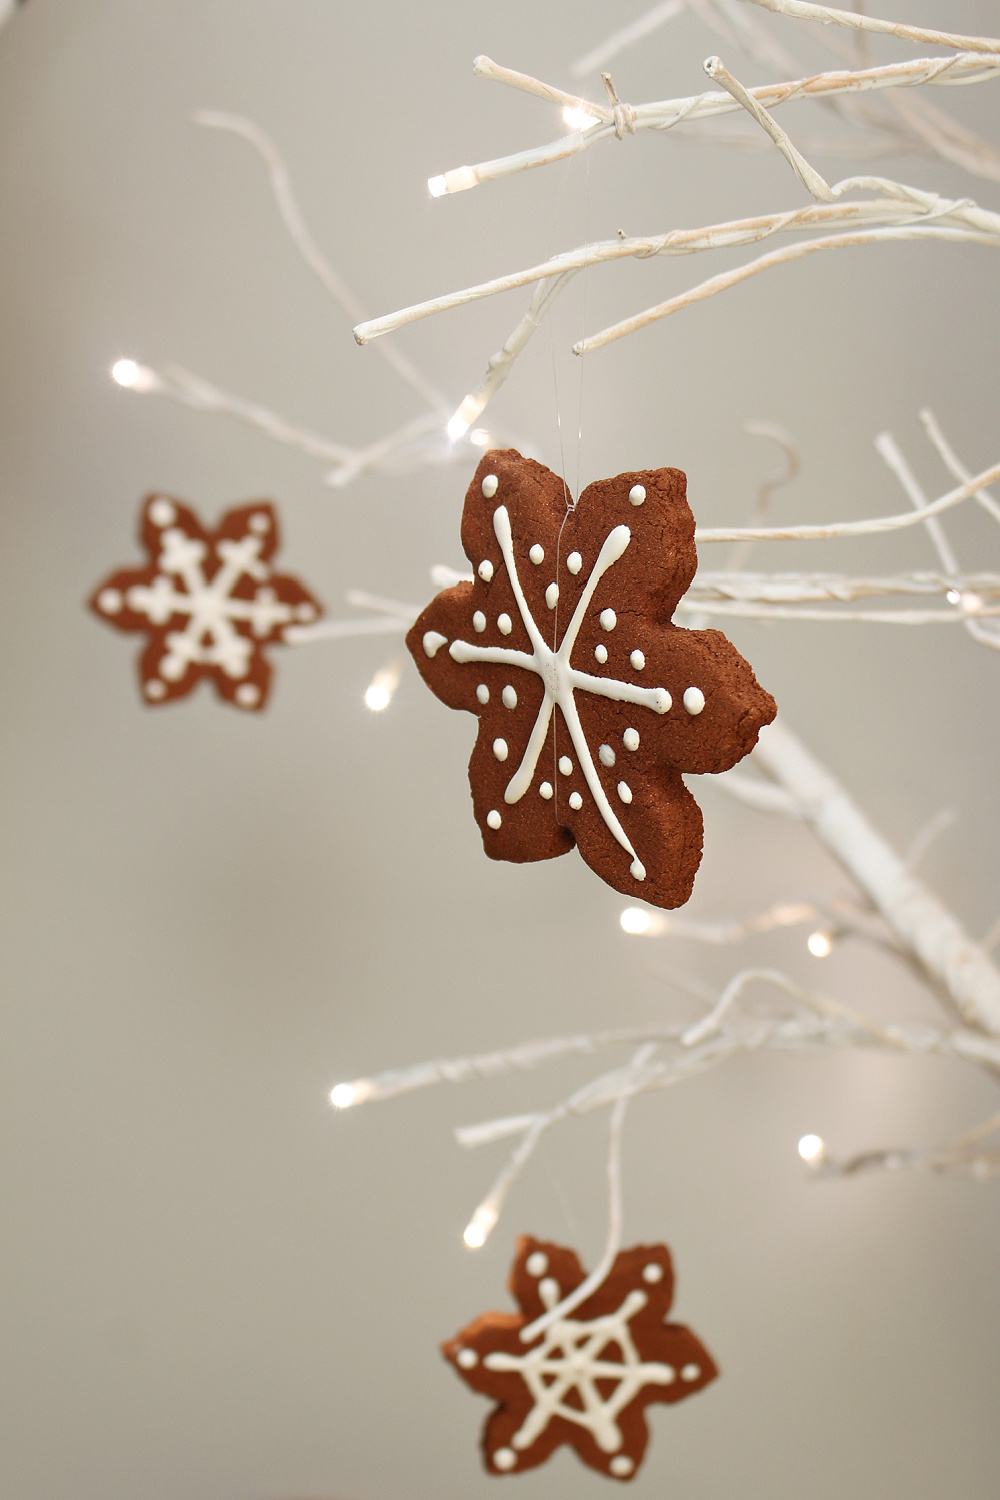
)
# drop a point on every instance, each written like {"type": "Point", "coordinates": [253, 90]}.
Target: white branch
{"type": "Point", "coordinates": [802, 10]}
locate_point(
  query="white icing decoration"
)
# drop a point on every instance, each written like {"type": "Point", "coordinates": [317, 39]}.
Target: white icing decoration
{"type": "Point", "coordinates": [638, 660]}
{"type": "Point", "coordinates": [182, 588]}
{"type": "Point", "coordinates": [653, 1272]}
{"type": "Point", "coordinates": [545, 790]}
{"type": "Point", "coordinates": [248, 695]}
{"type": "Point", "coordinates": [155, 688]}
{"type": "Point", "coordinates": [305, 612]}
{"type": "Point", "coordinates": [509, 697]}
{"type": "Point", "coordinates": [485, 570]}
{"type": "Point", "coordinates": [162, 513]}
{"type": "Point", "coordinates": [601, 654]}
{"type": "Point", "coordinates": [690, 1372]}
{"type": "Point", "coordinates": [565, 764]}
{"type": "Point", "coordinates": [260, 523]}
{"type": "Point", "coordinates": [630, 739]}
{"type": "Point", "coordinates": [575, 801]}
{"type": "Point", "coordinates": [607, 755]}
{"type": "Point", "coordinates": [537, 554]}
{"type": "Point", "coordinates": [637, 494]}
{"type": "Point", "coordinates": [432, 642]}
{"type": "Point", "coordinates": [608, 619]}
{"type": "Point", "coordinates": [110, 601]}
{"type": "Point", "coordinates": [479, 621]}
{"type": "Point", "coordinates": [561, 680]}
{"type": "Point", "coordinates": [505, 1458]}
{"type": "Point", "coordinates": [489, 486]}
{"type": "Point", "coordinates": [500, 749]}
{"type": "Point", "coordinates": [467, 1359]}
{"type": "Point", "coordinates": [568, 1359]}
{"type": "Point", "coordinates": [621, 1465]}
{"type": "Point", "coordinates": [483, 693]}
{"type": "Point", "coordinates": [493, 818]}
{"type": "Point", "coordinates": [624, 791]}
{"type": "Point", "coordinates": [504, 624]}
{"type": "Point", "coordinates": [552, 595]}
{"type": "Point", "coordinates": [574, 562]}
{"type": "Point", "coordinates": [537, 1263]}
{"type": "Point", "coordinates": [694, 700]}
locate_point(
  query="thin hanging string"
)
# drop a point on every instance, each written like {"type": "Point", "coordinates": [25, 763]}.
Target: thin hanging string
{"type": "Point", "coordinates": [631, 1084]}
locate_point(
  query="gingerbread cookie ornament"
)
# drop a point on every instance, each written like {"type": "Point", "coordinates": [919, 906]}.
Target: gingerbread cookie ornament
{"type": "Point", "coordinates": [587, 1378]}
{"type": "Point", "coordinates": [209, 602]}
{"type": "Point", "coordinates": [591, 702]}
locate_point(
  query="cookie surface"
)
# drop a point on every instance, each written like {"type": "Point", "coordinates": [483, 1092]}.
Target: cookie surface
{"type": "Point", "coordinates": [591, 701]}
{"type": "Point", "coordinates": [208, 601]}
{"type": "Point", "coordinates": [587, 1378]}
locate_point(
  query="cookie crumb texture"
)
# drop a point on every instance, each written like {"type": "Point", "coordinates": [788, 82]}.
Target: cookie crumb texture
{"type": "Point", "coordinates": [587, 1378]}
{"type": "Point", "coordinates": [563, 645]}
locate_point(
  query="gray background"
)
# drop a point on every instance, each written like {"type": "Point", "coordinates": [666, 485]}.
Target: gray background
{"type": "Point", "coordinates": [213, 1287]}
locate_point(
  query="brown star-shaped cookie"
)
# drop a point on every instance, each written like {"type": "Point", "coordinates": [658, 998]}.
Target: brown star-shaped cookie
{"type": "Point", "coordinates": [208, 601]}
{"type": "Point", "coordinates": [587, 1378]}
{"type": "Point", "coordinates": [591, 701]}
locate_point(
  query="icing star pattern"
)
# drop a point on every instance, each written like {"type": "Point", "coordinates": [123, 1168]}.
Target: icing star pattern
{"type": "Point", "coordinates": [591, 701]}
{"type": "Point", "coordinates": [588, 1377]}
{"type": "Point", "coordinates": [208, 601]}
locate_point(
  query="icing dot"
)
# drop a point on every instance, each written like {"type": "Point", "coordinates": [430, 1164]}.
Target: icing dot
{"type": "Point", "coordinates": [485, 570]}
{"type": "Point", "coordinates": [565, 764]}
{"type": "Point", "coordinates": [509, 697]}
{"type": "Point", "coordinates": [493, 818]}
{"type": "Point", "coordinates": [537, 554]}
{"type": "Point", "coordinates": [552, 595]}
{"type": "Point", "coordinates": [690, 1372]}
{"type": "Point", "coordinates": [549, 1291]}
{"type": "Point", "coordinates": [624, 791]}
{"type": "Point", "coordinates": [694, 700]}
{"type": "Point", "coordinates": [537, 1263]}
{"type": "Point", "coordinates": [504, 1458]}
{"type": "Point", "coordinates": [156, 688]}
{"type": "Point", "coordinates": [607, 755]}
{"type": "Point", "coordinates": [305, 612]}
{"type": "Point", "coordinates": [500, 749]}
{"type": "Point", "coordinates": [173, 668]}
{"type": "Point", "coordinates": [638, 660]}
{"type": "Point", "coordinates": [545, 790]}
{"type": "Point", "coordinates": [432, 642]}
{"type": "Point", "coordinates": [467, 1359]}
{"type": "Point", "coordinates": [653, 1272]}
{"type": "Point", "coordinates": [483, 693]}
{"type": "Point", "coordinates": [110, 601]}
{"type": "Point", "coordinates": [162, 513]}
{"type": "Point", "coordinates": [479, 620]}
{"type": "Point", "coordinates": [608, 619]}
{"type": "Point", "coordinates": [575, 801]}
{"type": "Point", "coordinates": [601, 653]}
{"type": "Point", "coordinates": [637, 494]}
{"type": "Point", "coordinates": [489, 486]}
{"type": "Point", "coordinates": [574, 562]}
{"type": "Point", "coordinates": [248, 695]}
{"type": "Point", "coordinates": [260, 523]}
{"type": "Point", "coordinates": [630, 739]}
{"type": "Point", "coordinates": [637, 870]}
{"type": "Point", "coordinates": [621, 1464]}
{"type": "Point", "coordinates": [504, 625]}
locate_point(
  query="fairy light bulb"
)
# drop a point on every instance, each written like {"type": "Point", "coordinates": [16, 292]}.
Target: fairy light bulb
{"type": "Point", "coordinates": [812, 1149]}
{"type": "Point", "coordinates": [577, 117]}
{"type": "Point", "coordinates": [343, 1095]}
{"type": "Point", "coordinates": [480, 437]}
{"type": "Point", "coordinates": [478, 1229]}
{"type": "Point", "coordinates": [457, 427]}
{"type": "Point", "coordinates": [378, 694]}
{"type": "Point", "coordinates": [125, 372]}
{"type": "Point", "coordinates": [820, 944]}
{"type": "Point", "coordinates": [437, 187]}
{"type": "Point", "coordinates": [634, 919]}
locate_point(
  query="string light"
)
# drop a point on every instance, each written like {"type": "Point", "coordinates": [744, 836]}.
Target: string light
{"type": "Point", "coordinates": [343, 1095]}
{"type": "Point", "coordinates": [480, 1226]}
{"type": "Point", "coordinates": [578, 118]}
{"type": "Point", "coordinates": [125, 372]}
{"type": "Point", "coordinates": [480, 437]}
{"type": "Point", "coordinates": [812, 1149]}
{"type": "Point", "coordinates": [634, 919]}
{"type": "Point", "coordinates": [820, 944]}
{"type": "Point", "coordinates": [378, 694]}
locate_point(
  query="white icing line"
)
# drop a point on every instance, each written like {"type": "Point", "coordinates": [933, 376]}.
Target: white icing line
{"type": "Point", "coordinates": [432, 642]}
{"type": "Point", "coordinates": [489, 485]}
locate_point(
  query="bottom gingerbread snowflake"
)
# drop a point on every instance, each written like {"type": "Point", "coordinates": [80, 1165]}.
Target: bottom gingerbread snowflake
{"type": "Point", "coordinates": [585, 1376]}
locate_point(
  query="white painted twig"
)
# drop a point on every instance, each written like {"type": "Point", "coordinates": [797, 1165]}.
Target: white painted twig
{"type": "Point", "coordinates": [724, 934]}
{"type": "Point", "coordinates": [789, 588]}
{"type": "Point", "coordinates": [627, 36]}
{"type": "Point", "coordinates": [967, 1156]}
{"type": "Point", "coordinates": [957, 965]}
{"type": "Point", "coordinates": [952, 464]}
{"type": "Point", "coordinates": [925, 836]}
{"type": "Point", "coordinates": [802, 10]}
{"type": "Point", "coordinates": [810, 179]}
{"type": "Point", "coordinates": [332, 630]}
